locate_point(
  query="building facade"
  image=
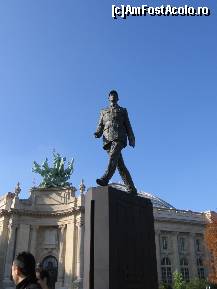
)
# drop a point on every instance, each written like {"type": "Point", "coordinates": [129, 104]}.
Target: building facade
{"type": "Point", "coordinates": [179, 239]}
{"type": "Point", "coordinates": [50, 224]}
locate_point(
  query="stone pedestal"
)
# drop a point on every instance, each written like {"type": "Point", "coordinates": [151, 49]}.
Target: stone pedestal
{"type": "Point", "coordinates": [119, 244]}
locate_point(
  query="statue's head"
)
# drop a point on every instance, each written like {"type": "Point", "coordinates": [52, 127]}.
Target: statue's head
{"type": "Point", "coordinates": [113, 96]}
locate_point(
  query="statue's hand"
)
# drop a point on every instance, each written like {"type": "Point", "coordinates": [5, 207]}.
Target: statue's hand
{"type": "Point", "coordinates": [132, 143]}
{"type": "Point", "coordinates": [96, 135]}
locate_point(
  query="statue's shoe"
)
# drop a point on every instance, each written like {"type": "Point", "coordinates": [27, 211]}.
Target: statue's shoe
{"type": "Point", "coordinates": [101, 182]}
{"type": "Point", "coordinates": [132, 191]}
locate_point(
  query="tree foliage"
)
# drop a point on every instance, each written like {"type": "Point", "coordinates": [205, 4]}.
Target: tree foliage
{"type": "Point", "coordinates": [211, 242]}
{"type": "Point", "coordinates": [197, 284]}
{"type": "Point", "coordinates": [178, 282]}
{"type": "Point", "coordinates": [165, 286]}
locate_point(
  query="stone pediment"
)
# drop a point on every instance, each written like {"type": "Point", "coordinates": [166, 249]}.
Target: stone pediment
{"type": "Point", "coordinates": [49, 199]}
{"type": "Point", "coordinates": [53, 197]}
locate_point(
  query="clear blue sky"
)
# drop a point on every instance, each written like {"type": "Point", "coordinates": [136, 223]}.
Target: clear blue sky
{"type": "Point", "coordinates": [58, 61]}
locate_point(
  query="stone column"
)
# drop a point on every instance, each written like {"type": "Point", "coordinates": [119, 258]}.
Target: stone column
{"type": "Point", "coordinates": [33, 240]}
{"type": "Point", "coordinates": [10, 255]}
{"type": "Point", "coordinates": [23, 238]}
{"type": "Point", "coordinates": [175, 251]}
{"type": "Point", "coordinates": [192, 256]}
{"type": "Point", "coordinates": [206, 256]}
{"type": "Point", "coordinates": [3, 246]}
{"type": "Point", "coordinates": [80, 248]}
{"type": "Point", "coordinates": [70, 255]}
{"type": "Point", "coordinates": [78, 283]}
{"type": "Point", "coordinates": [158, 255]}
{"type": "Point", "coordinates": [61, 269]}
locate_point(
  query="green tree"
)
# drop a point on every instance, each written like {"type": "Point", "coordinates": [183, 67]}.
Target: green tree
{"type": "Point", "coordinates": [178, 282]}
{"type": "Point", "coordinates": [197, 284]}
{"type": "Point", "coordinates": [164, 286]}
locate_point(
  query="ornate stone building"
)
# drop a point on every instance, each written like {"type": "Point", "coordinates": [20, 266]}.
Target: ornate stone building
{"type": "Point", "coordinates": [179, 239]}
{"type": "Point", "coordinates": [50, 224]}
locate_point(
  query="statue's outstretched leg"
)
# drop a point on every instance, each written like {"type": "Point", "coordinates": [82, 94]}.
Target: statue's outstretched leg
{"type": "Point", "coordinates": [114, 151]}
{"type": "Point", "coordinates": [125, 175]}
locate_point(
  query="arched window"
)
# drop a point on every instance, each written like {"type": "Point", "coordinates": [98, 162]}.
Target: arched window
{"type": "Point", "coordinates": [182, 244]}
{"type": "Point", "coordinates": [198, 245]}
{"type": "Point", "coordinates": [50, 264]}
{"type": "Point", "coordinates": [184, 269]}
{"type": "Point", "coordinates": [164, 243]}
{"type": "Point", "coordinates": [166, 270]}
{"type": "Point", "coordinates": [200, 268]}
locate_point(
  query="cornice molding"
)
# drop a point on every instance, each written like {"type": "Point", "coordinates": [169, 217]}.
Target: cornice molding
{"type": "Point", "coordinates": [179, 220]}
{"type": "Point", "coordinates": [33, 213]}
{"type": "Point", "coordinates": [53, 189]}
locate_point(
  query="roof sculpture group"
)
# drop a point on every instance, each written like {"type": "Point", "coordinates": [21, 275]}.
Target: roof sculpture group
{"type": "Point", "coordinates": [56, 176]}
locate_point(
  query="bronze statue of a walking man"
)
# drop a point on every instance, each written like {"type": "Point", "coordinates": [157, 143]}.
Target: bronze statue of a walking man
{"type": "Point", "coordinates": [115, 127]}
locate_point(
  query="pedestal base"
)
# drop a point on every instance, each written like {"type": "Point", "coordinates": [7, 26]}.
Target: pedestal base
{"type": "Point", "coordinates": [119, 241]}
